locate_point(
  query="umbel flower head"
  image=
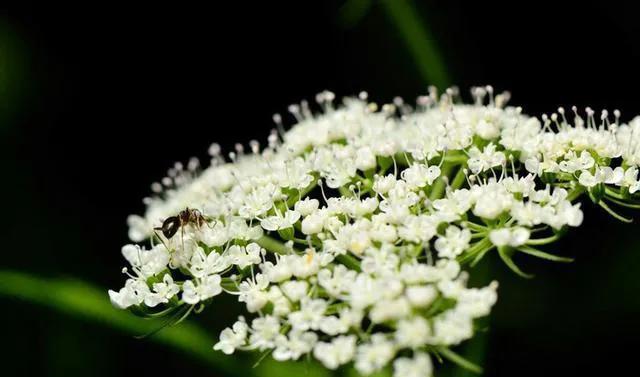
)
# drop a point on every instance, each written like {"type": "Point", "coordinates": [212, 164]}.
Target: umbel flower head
{"type": "Point", "coordinates": [346, 237]}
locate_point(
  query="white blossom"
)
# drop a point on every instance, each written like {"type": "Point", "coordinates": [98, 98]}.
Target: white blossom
{"type": "Point", "coordinates": [418, 366]}
{"type": "Point", "coordinates": [339, 351]}
{"type": "Point", "coordinates": [350, 237]}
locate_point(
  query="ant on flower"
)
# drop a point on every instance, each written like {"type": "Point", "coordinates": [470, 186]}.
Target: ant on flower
{"type": "Point", "coordinates": [185, 217]}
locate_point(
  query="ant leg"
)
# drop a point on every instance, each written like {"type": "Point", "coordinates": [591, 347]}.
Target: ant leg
{"type": "Point", "coordinates": [161, 240]}
{"type": "Point", "coordinates": [182, 236]}
{"type": "Point", "coordinates": [212, 226]}
{"type": "Point", "coordinates": [206, 220]}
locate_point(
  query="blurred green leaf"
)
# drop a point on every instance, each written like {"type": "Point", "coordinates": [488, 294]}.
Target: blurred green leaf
{"type": "Point", "coordinates": [353, 11]}
{"type": "Point", "coordinates": [418, 40]}
{"type": "Point", "coordinates": [15, 82]}
{"type": "Point", "coordinates": [83, 301]}
{"type": "Point", "coordinates": [86, 302]}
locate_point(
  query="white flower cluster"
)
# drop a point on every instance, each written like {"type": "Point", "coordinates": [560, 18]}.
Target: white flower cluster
{"type": "Point", "coordinates": [345, 235]}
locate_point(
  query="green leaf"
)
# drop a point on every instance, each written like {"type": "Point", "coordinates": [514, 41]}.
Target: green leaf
{"type": "Point", "coordinates": [86, 302]}
{"type": "Point", "coordinates": [543, 255]}
{"type": "Point", "coordinates": [81, 300]}
{"type": "Point", "coordinates": [353, 11]}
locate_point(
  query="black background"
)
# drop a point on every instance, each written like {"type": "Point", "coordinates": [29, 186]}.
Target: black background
{"type": "Point", "coordinates": [97, 101]}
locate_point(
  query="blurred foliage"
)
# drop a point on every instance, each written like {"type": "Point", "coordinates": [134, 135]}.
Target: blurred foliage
{"type": "Point", "coordinates": [13, 83]}
{"type": "Point", "coordinates": [419, 42]}
{"type": "Point", "coordinates": [88, 303]}
{"type": "Point", "coordinates": [405, 18]}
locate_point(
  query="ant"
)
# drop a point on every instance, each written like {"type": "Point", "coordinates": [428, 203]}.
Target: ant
{"type": "Point", "coordinates": [185, 217]}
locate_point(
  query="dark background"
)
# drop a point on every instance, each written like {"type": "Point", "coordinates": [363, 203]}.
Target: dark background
{"type": "Point", "coordinates": [97, 101]}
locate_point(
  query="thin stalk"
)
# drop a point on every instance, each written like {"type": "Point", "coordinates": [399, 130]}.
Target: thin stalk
{"type": "Point", "coordinates": [273, 245]}
{"type": "Point", "coordinates": [614, 213]}
{"type": "Point", "coordinates": [448, 354]}
{"type": "Point", "coordinates": [418, 40]}
{"type": "Point", "coordinates": [459, 179]}
{"type": "Point", "coordinates": [575, 193]}
{"type": "Point", "coordinates": [623, 203]}
{"type": "Point", "coordinates": [437, 190]}
{"type": "Point", "coordinates": [544, 241]}
{"type": "Point", "coordinates": [349, 261]}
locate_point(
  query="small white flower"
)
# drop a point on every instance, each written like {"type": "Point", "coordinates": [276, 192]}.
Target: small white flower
{"type": "Point", "coordinates": [310, 315]}
{"type": "Point", "coordinates": [419, 175]}
{"type": "Point", "coordinates": [205, 288]}
{"type": "Point", "coordinates": [488, 158]}
{"type": "Point", "coordinates": [306, 265]}
{"type": "Point", "coordinates": [280, 271]}
{"type": "Point", "coordinates": [383, 185]}
{"type": "Point", "coordinates": [264, 331]}
{"type": "Point", "coordinates": [313, 224]}
{"type": "Point", "coordinates": [421, 296]}
{"type": "Point", "coordinates": [202, 265]}
{"type": "Point", "coordinates": [232, 338]}
{"type": "Point", "coordinates": [146, 263]}
{"type": "Point", "coordinates": [419, 366]}
{"type": "Point", "coordinates": [373, 356]}
{"type": "Point", "coordinates": [339, 351]}
{"type": "Point", "coordinates": [273, 223]}
{"type": "Point", "coordinates": [454, 242]}
{"type": "Point", "coordinates": [244, 256]}
{"type": "Point", "coordinates": [509, 236]}
{"type": "Point", "coordinates": [294, 345]}
{"type": "Point", "coordinates": [134, 292]}
{"type": "Point", "coordinates": [337, 281]}
{"type": "Point", "coordinates": [306, 206]}
{"type": "Point", "coordinates": [333, 325]}
{"type": "Point", "coordinates": [365, 159]}
{"type": "Point", "coordinates": [295, 290]}
{"type": "Point", "coordinates": [162, 292]}
{"type": "Point", "coordinates": [253, 293]}
{"type": "Point", "coordinates": [413, 332]}
{"type": "Point", "coordinates": [386, 310]}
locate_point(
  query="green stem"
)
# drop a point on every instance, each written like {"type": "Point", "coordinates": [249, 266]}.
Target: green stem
{"type": "Point", "coordinates": [293, 199]}
{"type": "Point", "coordinates": [448, 354]}
{"type": "Point", "coordinates": [505, 254]}
{"type": "Point", "coordinates": [481, 246]}
{"type": "Point", "coordinates": [544, 241]}
{"type": "Point", "coordinates": [273, 245]}
{"type": "Point", "coordinates": [437, 190]}
{"type": "Point", "coordinates": [349, 261]}
{"type": "Point", "coordinates": [543, 255]}
{"type": "Point", "coordinates": [614, 213]}
{"type": "Point", "coordinates": [345, 192]}
{"type": "Point", "coordinates": [459, 178]}
{"type": "Point", "coordinates": [623, 203]}
{"type": "Point", "coordinates": [613, 193]}
{"type": "Point", "coordinates": [575, 193]}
